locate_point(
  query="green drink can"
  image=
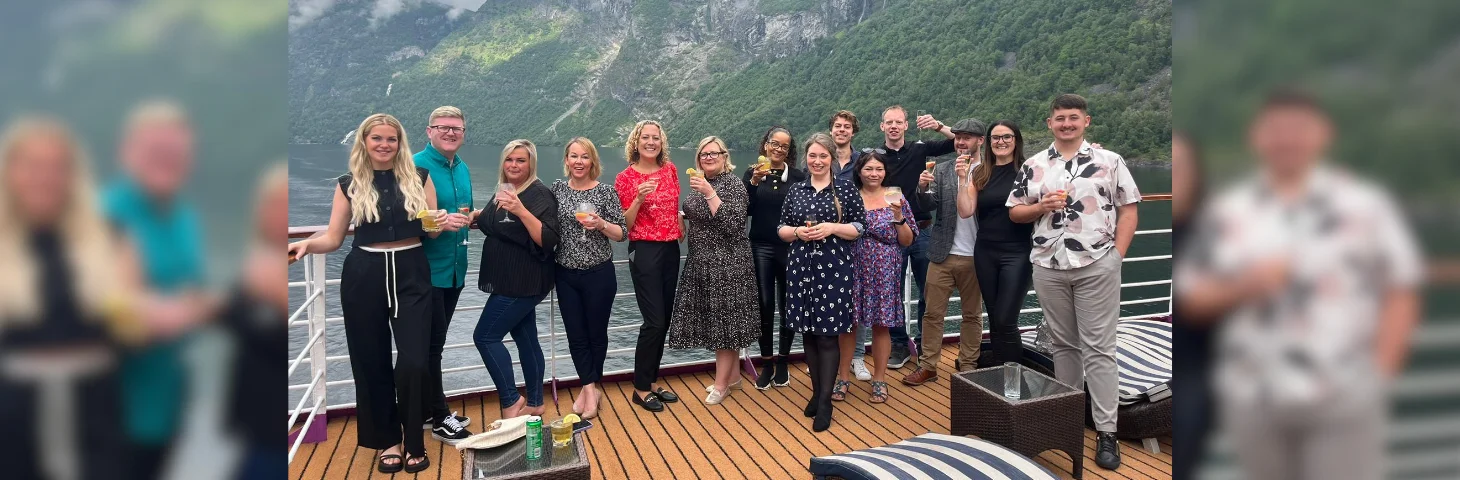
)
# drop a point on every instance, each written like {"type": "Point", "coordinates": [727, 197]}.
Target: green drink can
{"type": "Point", "coordinates": [534, 437]}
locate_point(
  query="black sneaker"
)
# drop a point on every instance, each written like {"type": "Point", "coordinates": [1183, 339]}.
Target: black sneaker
{"type": "Point", "coordinates": [450, 431]}
{"type": "Point", "coordinates": [763, 381]}
{"type": "Point", "coordinates": [782, 376]}
{"type": "Point", "coordinates": [899, 357]}
{"type": "Point", "coordinates": [462, 419]}
{"type": "Point", "coordinates": [1107, 451]}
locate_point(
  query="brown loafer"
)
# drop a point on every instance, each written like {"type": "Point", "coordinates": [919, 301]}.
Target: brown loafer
{"type": "Point", "coordinates": [919, 377]}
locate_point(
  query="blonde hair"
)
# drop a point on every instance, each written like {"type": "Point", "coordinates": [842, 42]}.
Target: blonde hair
{"type": "Point", "coordinates": [86, 239]}
{"type": "Point", "coordinates": [446, 111]}
{"type": "Point", "coordinates": [729, 167]}
{"type": "Point", "coordinates": [275, 178]}
{"type": "Point", "coordinates": [631, 147]}
{"type": "Point", "coordinates": [595, 168]}
{"type": "Point", "coordinates": [363, 197]}
{"type": "Point", "coordinates": [531, 160]}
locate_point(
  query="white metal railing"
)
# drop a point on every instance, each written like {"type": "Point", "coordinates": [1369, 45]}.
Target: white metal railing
{"type": "Point", "coordinates": [316, 284]}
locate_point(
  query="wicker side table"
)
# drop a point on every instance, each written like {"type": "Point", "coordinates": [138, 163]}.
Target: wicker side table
{"type": "Point", "coordinates": [1047, 415]}
{"type": "Point", "coordinates": [510, 461]}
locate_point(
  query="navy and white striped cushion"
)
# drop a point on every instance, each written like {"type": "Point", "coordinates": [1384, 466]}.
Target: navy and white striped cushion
{"type": "Point", "coordinates": [931, 456]}
{"type": "Point", "coordinates": [1143, 351]}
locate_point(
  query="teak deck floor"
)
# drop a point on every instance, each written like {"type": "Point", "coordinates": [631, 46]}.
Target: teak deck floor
{"type": "Point", "coordinates": [752, 434]}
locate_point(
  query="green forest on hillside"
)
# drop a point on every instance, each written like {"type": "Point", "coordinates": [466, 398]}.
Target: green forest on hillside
{"type": "Point", "coordinates": [989, 59]}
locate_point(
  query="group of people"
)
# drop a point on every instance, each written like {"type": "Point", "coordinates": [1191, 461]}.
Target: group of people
{"type": "Point", "coordinates": [116, 360]}
{"type": "Point", "coordinates": [826, 243]}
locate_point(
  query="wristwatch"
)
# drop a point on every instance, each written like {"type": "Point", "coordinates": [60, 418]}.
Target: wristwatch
{"type": "Point", "coordinates": [900, 222]}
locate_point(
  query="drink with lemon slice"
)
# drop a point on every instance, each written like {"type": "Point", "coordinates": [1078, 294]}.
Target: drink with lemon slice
{"type": "Point", "coordinates": [694, 173]}
{"type": "Point", "coordinates": [763, 164]}
{"type": "Point", "coordinates": [428, 220]}
{"type": "Point", "coordinates": [562, 430]}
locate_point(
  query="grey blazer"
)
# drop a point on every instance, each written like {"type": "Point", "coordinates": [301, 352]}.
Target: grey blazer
{"type": "Point", "coordinates": [943, 197]}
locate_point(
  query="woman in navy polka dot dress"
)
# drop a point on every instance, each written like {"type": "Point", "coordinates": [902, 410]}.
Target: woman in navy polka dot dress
{"type": "Point", "coordinates": [821, 219]}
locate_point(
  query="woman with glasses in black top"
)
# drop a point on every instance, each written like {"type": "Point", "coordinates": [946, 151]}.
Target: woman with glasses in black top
{"type": "Point", "coordinates": [767, 182]}
{"type": "Point", "coordinates": [1001, 251]}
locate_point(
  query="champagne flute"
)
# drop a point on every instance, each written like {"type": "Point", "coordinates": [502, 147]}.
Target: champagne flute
{"type": "Point", "coordinates": [464, 209]}
{"type": "Point", "coordinates": [920, 114]}
{"type": "Point", "coordinates": [811, 222]}
{"type": "Point", "coordinates": [504, 188]}
{"type": "Point", "coordinates": [582, 212]}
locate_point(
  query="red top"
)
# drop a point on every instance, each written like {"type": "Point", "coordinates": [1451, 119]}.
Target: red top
{"type": "Point", "coordinates": [658, 218]}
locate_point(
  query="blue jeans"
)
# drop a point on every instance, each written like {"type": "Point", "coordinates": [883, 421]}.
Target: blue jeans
{"type": "Point", "coordinates": [915, 255]}
{"type": "Point", "coordinates": [518, 316]}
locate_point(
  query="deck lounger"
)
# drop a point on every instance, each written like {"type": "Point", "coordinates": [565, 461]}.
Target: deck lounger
{"type": "Point", "coordinates": [933, 456]}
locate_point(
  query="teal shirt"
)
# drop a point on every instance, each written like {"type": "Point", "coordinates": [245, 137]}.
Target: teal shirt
{"type": "Point", "coordinates": [169, 240]}
{"type": "Point", "coordinates": [452, 179]}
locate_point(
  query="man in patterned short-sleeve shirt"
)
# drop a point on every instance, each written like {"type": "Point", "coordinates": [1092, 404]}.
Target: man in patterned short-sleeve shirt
{"type": "Point", "coordinates": [1082, 201]}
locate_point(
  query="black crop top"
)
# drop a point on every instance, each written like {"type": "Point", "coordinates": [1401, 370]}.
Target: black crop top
{"type": "Point", "coordinates": [395, 222]}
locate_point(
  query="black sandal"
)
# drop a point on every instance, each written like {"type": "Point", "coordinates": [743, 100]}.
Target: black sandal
{"type": "Point", "coordinates": [422, 465]}
{"type": "Point", "coordinates": [400, 463]}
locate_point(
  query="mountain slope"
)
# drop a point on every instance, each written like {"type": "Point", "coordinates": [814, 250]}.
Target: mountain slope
{"type": "Point", "coordinates": [551, 70]}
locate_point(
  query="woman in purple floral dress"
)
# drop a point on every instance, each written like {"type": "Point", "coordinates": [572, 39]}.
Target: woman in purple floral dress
{"type": "Point", "coordinates": [877, 256]}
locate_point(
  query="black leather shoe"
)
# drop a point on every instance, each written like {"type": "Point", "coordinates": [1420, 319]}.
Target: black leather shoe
{"type": "Point", "coordinates": [650, 402]}
{"type": "Point", "coordinates": [666, 395]}
{"type": "Point", "coordinates": [763, 381]}
{"type": "Point", "coordinates": [1107, 451]}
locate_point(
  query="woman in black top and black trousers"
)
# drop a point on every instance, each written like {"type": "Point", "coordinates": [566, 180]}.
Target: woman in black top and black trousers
{"type": "Point", "coordinates": [522, 231]}
{"type": "Point", "coordinates": [767, 188]}
{"type": "Point", "coordinates": [1001, 252]}
{"type": "Point", "coordinates": [385, 287]}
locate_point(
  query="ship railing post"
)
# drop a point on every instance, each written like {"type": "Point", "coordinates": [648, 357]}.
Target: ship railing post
{"type": "Point", "coordinates": [316, 281]}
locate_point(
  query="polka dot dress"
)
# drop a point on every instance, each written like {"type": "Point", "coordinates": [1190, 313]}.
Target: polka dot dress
{"type": "Point", "coordinates": [819, 274]}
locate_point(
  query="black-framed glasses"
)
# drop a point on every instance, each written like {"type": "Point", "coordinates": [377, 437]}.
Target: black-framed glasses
{"type": "Point", "coordinates": [708, 155]}
{"type": "Point", "coordinates": [774, 145]}
{"type": "Point", "coordinates": [878, 151]}
{"type": "Point", "coordinates": [448, 129]}
{"type": "Point", "coordinates": [1001, 138]}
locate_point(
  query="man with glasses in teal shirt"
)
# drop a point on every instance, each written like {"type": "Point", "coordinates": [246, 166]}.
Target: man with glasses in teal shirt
{"type": "Point", "coordinates": [156, 155]}
{"type": "Point", "coordinates": [446, 128]}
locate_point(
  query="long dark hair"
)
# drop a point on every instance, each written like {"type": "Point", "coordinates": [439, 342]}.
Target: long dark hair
{"type": "Point", "coordinates": [984, 170]}
{"type": "Point", "coordinates": [790, 148]}
{"type": "Point", "coordinates": [862, 162]}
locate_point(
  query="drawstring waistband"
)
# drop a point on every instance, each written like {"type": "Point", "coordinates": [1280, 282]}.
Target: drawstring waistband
{"type": "Point", "coordinates": [392, 299]}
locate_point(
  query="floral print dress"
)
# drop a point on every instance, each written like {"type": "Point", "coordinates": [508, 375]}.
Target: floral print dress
{"type": "Point", "coordinates": [877, 289]}
{"type": "Point", "coordinates": [819, 273]}
{"type": "Point", "coordinates": [716, 306]}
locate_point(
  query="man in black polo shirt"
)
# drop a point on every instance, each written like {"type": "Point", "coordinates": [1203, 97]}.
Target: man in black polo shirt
{"type": "Point", "coordinates": [905, 163]}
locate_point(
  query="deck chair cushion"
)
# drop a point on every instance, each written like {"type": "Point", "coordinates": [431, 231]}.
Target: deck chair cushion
{"type": "Point", "coordinates": [931, 455]}
{"type": "Point", "coordinates": [1143, 351]}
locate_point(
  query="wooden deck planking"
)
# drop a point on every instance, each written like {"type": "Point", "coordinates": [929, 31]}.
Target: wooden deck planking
{"type": "Point", "coordinates": [752, 434]}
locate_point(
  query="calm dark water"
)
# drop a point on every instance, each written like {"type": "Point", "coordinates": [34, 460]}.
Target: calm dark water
{"type": "Point", "coordinates": [312, 169]}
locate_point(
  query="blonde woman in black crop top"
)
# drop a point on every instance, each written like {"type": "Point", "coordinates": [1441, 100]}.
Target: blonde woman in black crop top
{"type": "Point", "coordinates": [385, 287]}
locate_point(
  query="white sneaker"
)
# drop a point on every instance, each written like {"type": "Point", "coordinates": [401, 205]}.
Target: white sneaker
{"type": "Point", "coordinates": [860, 370]}
{"type": "Point", "coordinates": [715, 396]}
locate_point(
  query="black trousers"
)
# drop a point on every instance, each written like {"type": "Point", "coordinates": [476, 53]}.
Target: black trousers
{"type": "Point", "coordinates": [381, 294]}
{"type": "Point", "coordinates": [1004, 276]}
{"type": "Point", "coordinates": [770, 276]}
{"type": "Point", "coordinates": [585, 298]}
{"type": "Point", "coordinates": [446, 298]}
{"type": "Point", "coordinates": [97, 432]}
{"type": "Point", "coordinates": [654, 268]}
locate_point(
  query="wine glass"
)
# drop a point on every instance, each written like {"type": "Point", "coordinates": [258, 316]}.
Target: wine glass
{"type": "Point", "coordinates": [464, 209]}
{"type": "Point", "coordinates": [582, 212]}
{"type": "Point", "coordinates": [811, 222]}
{"type": "Point", "coordinates": [501, 189]}
{"type": "Point", "coordinates": [893, 196]}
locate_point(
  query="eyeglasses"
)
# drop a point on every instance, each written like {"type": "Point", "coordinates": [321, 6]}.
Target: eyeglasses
{"type": "Point", "coordinates": [774, 145]}
{"type": "Point", "coordinates": [448, 129]}
{"type": "Point", "coordinates": [709, 155]}
{"type": "Point", "coordinates": [879, 151]}
{"type": "Point", "coordinates": [1001, 138]}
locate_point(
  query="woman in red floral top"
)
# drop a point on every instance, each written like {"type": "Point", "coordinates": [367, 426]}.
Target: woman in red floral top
{"type": "Point", "coordinates": [649, 191]}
